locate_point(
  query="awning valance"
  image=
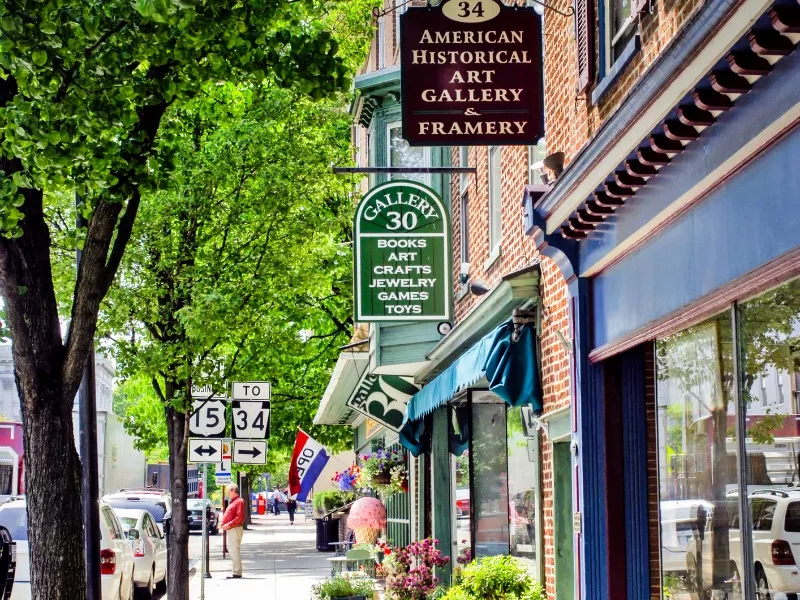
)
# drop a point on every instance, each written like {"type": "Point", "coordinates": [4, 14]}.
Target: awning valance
{"type": "Point", "coordinates": [505, 356]}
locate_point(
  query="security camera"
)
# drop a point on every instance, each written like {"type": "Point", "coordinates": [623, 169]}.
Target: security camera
{"type": "Point", "coordinates": [463, 273]}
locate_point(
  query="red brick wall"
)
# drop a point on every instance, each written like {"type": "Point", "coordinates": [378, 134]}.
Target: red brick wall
{"type": "Point", "coordinates": [518, 251]}
{"type": "Point", "coordinates": [570, 119]}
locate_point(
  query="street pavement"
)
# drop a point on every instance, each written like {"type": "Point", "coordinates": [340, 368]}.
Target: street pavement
{"type": "Point", "coordinates": [279, 561]}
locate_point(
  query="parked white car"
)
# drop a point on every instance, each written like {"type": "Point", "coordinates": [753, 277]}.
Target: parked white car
{"type": "Point", "coordinates": [149, 550]}
{"type": "Point", "coordinates": [776, 544]}
{"type": "Point", "coordinates": [116, 555]}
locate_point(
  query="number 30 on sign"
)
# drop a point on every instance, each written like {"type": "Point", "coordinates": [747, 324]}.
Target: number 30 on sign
{"type": "Point", "coordinates": [250, 419]}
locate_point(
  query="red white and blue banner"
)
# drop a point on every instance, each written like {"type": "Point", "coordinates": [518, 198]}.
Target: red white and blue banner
{"type": "Point", "coordinates": [308, 460]}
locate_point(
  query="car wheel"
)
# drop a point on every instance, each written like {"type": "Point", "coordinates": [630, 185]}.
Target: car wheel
{"type": "Point", "coordinates": [762, 585]}
{"type": "Point", "coordinates": [161, 586]}
{"type": "Point", "coordinates": [146, 593]}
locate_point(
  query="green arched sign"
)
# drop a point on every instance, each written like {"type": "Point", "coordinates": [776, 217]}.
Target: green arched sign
{"type": "Point", "coordinates": [402, 255]}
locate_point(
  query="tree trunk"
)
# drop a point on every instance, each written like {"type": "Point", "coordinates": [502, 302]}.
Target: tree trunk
{"type": "Point", "coordinates": [244, 485]}
{"type": "Point", "coordinates": [53, 493]}
{"type": "Point", "coordinates": [178, 552]}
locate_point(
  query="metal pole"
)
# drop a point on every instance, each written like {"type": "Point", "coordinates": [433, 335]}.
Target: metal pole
{"type": "Point", "coordinates": [204, 534]}
{"type": "Point", "coordinates": [207, 555]}
{"type": "Point", "coordinates": [224, 533]}
{"type": "Point", "coordinates": [87, 419]}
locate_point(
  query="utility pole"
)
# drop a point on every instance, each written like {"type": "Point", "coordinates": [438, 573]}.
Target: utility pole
{"type": "Point", "coordinates": [87, 418]}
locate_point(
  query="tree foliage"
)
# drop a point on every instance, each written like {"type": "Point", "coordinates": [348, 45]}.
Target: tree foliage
{"type": "Point", "coordinates": [85, 90]}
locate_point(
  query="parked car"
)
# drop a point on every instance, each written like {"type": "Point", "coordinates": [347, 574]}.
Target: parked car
{"type": "Point", "coordinates": [157, 502]}
{"type": "Point", "coordinates": [271, 503]}
{"type": "Point", "coordinates": [195, 509]}
{"type": "Point", "coordinates": [116, 555]}
{"type": "Point", "coordinates": [149, 550]}
{"type": "Point", "coordinates": [775, 517]}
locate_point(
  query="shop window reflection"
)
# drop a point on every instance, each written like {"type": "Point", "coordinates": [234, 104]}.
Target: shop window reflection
{"type": "Point", "coordinates": [523, 459]}
{"type": "Point", "coordinates": [770, 356]}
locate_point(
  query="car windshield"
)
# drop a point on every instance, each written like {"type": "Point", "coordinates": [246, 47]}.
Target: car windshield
{"type": "Point", "coordinates": [156, 508]}
{"type": "Point", "coordinates": [16, 521]}
{"type": "Point", "coordinates": [127, 522]}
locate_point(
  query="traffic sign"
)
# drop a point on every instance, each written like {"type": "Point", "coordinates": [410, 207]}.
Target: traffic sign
{"type": "Point", "coordinates": [206, 392]}
{"type": "Point", "coordinates": [202, 450]}
{"type": "Point", "coordinates": [251, 390]}
{"type": "Point", "coordinates": [250, 420]}
{"type": "Point", "coordinates": [207, 419]}
{"type": "Point", "coordinates": [225, 479]}
{"type": "Point", "coordinates": [250, 452]}
{"type": "Point", "coordinates": [224, 466]}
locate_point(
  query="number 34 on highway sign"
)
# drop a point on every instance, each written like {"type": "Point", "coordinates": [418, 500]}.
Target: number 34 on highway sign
{"type": "Point", "coordinates": [250, 419]}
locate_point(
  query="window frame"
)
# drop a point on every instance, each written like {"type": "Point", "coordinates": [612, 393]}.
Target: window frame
{"type": "Point", "coordinates": [426, 153]}
{"type": "Point", "coordinates": [612, 37]}
{"type": "Point", "coordinates": [495, 203]}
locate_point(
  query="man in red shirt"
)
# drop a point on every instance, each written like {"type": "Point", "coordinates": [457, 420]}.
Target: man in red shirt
{"type": "Point", "coordinates": [232, 522]}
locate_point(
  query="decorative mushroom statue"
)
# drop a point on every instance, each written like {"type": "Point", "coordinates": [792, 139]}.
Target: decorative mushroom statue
{"type": "Point", "coordinates": [367, 519]}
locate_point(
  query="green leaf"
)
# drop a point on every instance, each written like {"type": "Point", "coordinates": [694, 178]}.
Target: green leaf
{"type": "Point", "coordinates": [39, 58]}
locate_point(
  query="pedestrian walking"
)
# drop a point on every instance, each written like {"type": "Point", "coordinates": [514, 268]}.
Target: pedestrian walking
{"type": "Point", "coordinates": [278, 499]}
{"type": "Point", "coordinates": [233, 523]}
{"type": "Point", "coordinates": [291, 506]}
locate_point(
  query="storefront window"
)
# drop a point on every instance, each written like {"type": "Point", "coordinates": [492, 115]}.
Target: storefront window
{"type": "Point", "coordinates": [403, 155]}
{"type": "Point", "coordinates": [463, 522]}
{"type": "Point", "coordinates": [697, 462]}
{"type": "Point", "coordinates": [770, 372]}
{"type": "Point", "coordinates": [523, 460]}
{"type": "Point", "coordinates": [489, 475]}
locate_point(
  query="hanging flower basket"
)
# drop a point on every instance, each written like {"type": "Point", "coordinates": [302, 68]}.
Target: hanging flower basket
{"type": "Point", "coordinates": [383, 478]}
{"type": "Point", "coordinates": [384, 471]}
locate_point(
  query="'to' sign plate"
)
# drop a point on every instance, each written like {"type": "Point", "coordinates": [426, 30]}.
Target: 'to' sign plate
{"type": "Point", "coordinates": [251, 390]}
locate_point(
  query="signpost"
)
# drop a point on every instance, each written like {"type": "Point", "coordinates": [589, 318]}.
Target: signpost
{"type": "Point", "coordinates": [402, 255]}
{"type": "Point", "coordinates": [471, 74]}
{"type": "Point", "coordinates": [383, 398]}
{"type": "Point", "coordinates": [250, 452]}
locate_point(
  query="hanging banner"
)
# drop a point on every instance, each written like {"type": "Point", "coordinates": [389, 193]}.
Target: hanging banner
{"type": "Point", "coordinates": [471, 74]}
{"type": "Point", "coordinates": [402, 255]}
{"type": "Point", "coordinates": [383, 398]}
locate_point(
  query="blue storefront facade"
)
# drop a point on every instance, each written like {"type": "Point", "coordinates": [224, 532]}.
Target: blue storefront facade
{"type": "Point", "coordinates": [677, 228]}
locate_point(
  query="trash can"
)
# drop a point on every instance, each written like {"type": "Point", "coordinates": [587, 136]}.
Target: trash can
{"type": "Point", "coordinates": [327, 533]}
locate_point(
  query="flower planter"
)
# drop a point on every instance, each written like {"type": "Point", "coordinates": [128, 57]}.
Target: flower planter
{"type": "Point", "coordinates": [384, 478]}
{"type": "Point", "coordinates": [350, 598]}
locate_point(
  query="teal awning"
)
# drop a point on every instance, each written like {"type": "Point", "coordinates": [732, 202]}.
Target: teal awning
{"type": "Point", "coordinates": [507, 361]}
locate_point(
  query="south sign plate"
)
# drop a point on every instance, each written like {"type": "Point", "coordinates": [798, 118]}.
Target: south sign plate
{"type": "Point", "coordinates": [471, 74]}
{"type": "Point", "coordinates": [402, 255]}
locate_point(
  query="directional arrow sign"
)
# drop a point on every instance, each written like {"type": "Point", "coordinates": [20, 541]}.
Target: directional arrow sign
{"type": "Point", "coordinates": [204, 451]}
{"type": "Point", "coordinates": [207, 418]}
{"type": "Point", "coordinates": [250, 420]}
{"type": "Point", "coordinates": [250, 452]}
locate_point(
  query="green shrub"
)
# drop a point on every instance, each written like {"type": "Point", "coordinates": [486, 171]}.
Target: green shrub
{"type": "Point", "coordinates": [325, 502]}
{"type": "Point", "coordinates": [342, 587]}
{"type": "Point", "coordinates": [495, 578]}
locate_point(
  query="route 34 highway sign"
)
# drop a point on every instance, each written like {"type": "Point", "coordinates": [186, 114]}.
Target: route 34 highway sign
{"type": "Point", "coordinates": [250, 452]}
{"type": "Point", "coordinates": [203, 450]}
{"type": "Point", "coordinates": [250, 420]}
{"type": "Point", "coordinates": [207, 419]}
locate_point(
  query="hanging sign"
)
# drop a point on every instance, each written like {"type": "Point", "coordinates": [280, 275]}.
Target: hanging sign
{"type": "Point", "coordinates": [402, 255]}
{"type": "Point", "coordinates": [471, 74]}
{"type": "Point", "coordinates": [383, 398]}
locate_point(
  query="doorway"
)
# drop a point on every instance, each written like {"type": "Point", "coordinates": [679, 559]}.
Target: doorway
{"type": "Point", "coordinates": [562, 512]}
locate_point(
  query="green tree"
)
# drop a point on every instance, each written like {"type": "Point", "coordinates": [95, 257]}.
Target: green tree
{"type": "Point", "coordinates": [240, 270]}
{"type": "Point", "coordinates": [85, 87]}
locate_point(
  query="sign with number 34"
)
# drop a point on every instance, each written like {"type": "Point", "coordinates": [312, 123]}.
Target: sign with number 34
{"type": "Point", "coordinates": [250, 419]}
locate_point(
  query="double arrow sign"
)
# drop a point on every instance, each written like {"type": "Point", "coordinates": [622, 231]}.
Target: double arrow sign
{"type": "Point", "coordinates": [245, 452]}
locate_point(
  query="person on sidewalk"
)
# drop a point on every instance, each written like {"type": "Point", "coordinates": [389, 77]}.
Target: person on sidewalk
{"type": "Point", "coordinates": [233, 523]}
{"type": "Point", "coordinates": [291, 506]}
{"type": "Point", "coordinates": [278, 499]}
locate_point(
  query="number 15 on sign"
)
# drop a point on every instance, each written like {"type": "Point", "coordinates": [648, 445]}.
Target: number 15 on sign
{"type": "Point", "coordinates": [250, 419]}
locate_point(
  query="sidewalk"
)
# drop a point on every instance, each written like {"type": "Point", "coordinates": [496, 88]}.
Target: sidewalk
{"type": "Point", "coordinates": [279, 561]}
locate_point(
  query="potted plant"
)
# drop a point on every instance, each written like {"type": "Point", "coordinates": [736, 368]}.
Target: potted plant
{"type": "Point", "coordinates": [344, 588]}
{"type": "Point", "coordinates": [495, 578]}
{"type": "Point", "coordinates": [409, 571]}
{"type": "Point", "coordinates": [385, 470]}
{"type": "Point", "coordinates": [348, 480]}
